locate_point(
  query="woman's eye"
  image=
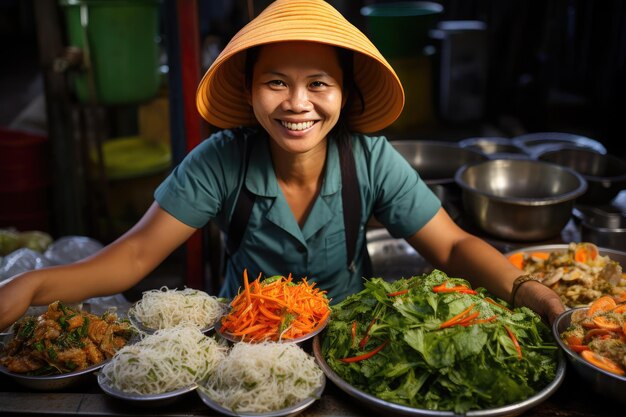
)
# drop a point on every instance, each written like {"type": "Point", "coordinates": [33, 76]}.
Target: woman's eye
{"type": "Point", "coordinates": [276, 83]}
{"type": "Point", "coordinates": [318, 84]}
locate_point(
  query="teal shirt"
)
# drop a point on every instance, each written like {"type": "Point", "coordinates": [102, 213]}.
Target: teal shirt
{"type": "Point", "coordinates": [205, 186]}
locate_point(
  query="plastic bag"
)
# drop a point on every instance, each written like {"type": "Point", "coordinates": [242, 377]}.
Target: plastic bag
{"type": "Point", "coordinates": [70, 249]}
{"type": "Point", "coordinates": [22, 260]}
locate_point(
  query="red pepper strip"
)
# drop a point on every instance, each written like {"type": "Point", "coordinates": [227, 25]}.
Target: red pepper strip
{"type": "Point", "coordinates": [439, 287]}
{"type": "Point", "coordinates": [515, 342]}
{"type": "Point", "coordinates": [365, 355]}
{"type": "Point", "coordinates": [466, 321]}
{"type": "Point", "coordinates": [490, 301]}
{"type": "Point", "coordinates": [393, 294]}
{"type": "Point", "coordinates": [487, 320]}
{"type": "Point", "coordinates": [353, 334]}
{"type": "Point", "coordinates": [456, 288]}
{"type": "Point", "coordinates": [367, 334]}
{"type": "Point", "coordinates": [456, 318]}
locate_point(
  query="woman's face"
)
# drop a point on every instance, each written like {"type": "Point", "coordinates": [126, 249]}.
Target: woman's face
{"type": "Point", "coordinates": [296, 93]}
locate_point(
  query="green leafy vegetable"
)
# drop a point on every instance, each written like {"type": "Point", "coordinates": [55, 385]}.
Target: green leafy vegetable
{"type": "Point", "coordinates": [468, 364]}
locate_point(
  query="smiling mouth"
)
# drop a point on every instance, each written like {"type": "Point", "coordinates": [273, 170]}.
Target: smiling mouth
{"type": "Point", "coordinates": [297, 126]}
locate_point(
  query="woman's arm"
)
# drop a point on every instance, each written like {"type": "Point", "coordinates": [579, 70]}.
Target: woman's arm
{"type": "Point", "coordinates": [114, 269]}
{"type": "Point", "coordinates": [458, 253]}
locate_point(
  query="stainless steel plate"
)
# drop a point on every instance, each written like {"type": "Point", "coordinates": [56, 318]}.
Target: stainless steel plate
{"type": "Point", "coordinates": [53, 382]}
{"type": "Point", "coordinates": [150, 400]}
{"type": "Point", "coordinates": [289, 411]}
{"type": "Point", "coordinates": [150, 330]}
{"type": "Point", "coordinates": [389, 408]}
{"type": "Point", "coordinates": [393, 258]}
{"type": "Point", "coordinates": [603, 382]}
{"type": "Point", "coordinates": [298, 340]}
{"type": "Point", "coordinates": [611, 253]}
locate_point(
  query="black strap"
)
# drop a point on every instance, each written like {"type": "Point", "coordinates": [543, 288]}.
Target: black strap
{"type": "Point", "coordinates": [243, 208]}
{"type": "Point", "coordinates": [350, 197]}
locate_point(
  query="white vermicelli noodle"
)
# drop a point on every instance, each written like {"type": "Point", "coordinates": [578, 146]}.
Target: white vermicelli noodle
{"type": "Point", "coordinates": [263, 377]}
{"type": "Point", "coordinates": [165, 361]}
{"type": "Point", "coordinates": [164, 308]}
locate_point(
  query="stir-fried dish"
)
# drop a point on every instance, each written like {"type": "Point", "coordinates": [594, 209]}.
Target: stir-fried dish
{"type": "Point", "coordinates": [579, 275]}
{"type": "Point", "coordinates": [63, 340]}
{"type": "Point", "coordinates": [598, 334]}
{"type": "Point", "coordinates": [432, 342]}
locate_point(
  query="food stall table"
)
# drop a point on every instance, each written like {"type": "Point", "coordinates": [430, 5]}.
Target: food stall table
{"type": "Point", "coordinates": [574, 398]}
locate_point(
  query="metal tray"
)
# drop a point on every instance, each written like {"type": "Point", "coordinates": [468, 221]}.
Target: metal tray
{"type": "Point", "coordinates": [389, 408]}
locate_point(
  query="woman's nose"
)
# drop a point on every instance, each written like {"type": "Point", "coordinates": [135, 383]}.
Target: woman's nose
{"type": "Point", "coordinates": [298, 100]}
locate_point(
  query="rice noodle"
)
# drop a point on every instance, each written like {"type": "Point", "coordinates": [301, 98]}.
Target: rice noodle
{"type": "Point", "coordinates": [263, 377]}
{"type": "Point", "coordinates": [164, 308]}
{"type": "Point", "coordinates": [164, 361]}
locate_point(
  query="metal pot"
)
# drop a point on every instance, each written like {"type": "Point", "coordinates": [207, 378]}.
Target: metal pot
{"type": "Point", "coordinates": [436, 163]}
{"type": "Point", "coordinates": [533, 143]}
{"type": "Point", "coordinates": [517, 199]}
{"type": "Point", "coordinates": [605, 174]}
{"type": "Point", "coordinates": [604, 228]}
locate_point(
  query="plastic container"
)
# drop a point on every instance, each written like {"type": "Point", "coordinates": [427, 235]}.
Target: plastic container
{"type": "Point", "coordinates": [24, 180]}
{"type": "Point", "coordinates": [122, 48]}
{"type": "Point", "coordinates": [134, 168]}
{"type": "Point", "coordinates": [400, 29]}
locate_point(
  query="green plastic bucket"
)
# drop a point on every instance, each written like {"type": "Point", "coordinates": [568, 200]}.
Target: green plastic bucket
{"type": "Point", "coordinates": [120, 40]}
{"type": "Point", "coordinates": [400, 29]}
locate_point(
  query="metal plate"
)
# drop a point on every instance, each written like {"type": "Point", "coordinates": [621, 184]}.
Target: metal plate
{"type": "Point", "coordinates": [297, 340]}
{"type": "Point", "coordinates": [53, 382]}
{"type": "Point", "coordinates": [150, 400]}
{"type": "Point", "coordinates": [149, 330]}
{"type": "Point", "coordinates": [393, 258]}
{"type": "Point", "coordinates": [289, 411]}
{"type": "Point", "coordinates": [611, 253]}
{"type": "Point", "coordinates": [389, 408]}
{"type": "Point", "coordinates": [603, 382]}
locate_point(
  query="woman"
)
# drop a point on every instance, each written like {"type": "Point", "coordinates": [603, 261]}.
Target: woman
{"type": "Point", "coordinates": [294, 91]}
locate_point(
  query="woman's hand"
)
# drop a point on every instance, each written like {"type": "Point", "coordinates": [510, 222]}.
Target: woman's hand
{"type": "Point", "coordinates": [541, 299]}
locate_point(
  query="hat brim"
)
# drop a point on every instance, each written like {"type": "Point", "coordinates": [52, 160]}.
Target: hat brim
{"type": "Point", "coordinates": [221, 98]}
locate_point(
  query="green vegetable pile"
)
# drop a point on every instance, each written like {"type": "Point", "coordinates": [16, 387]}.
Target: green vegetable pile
{"type": "Point", "coordinates": [402, 343]}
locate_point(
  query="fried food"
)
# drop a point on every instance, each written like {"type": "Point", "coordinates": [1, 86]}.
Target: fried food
{"type": "Point", "coordinates": [63, 340]}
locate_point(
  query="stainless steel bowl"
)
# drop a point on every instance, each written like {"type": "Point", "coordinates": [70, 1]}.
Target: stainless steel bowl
{"type": "Point", "coordinates": [145, 400]}
{"type": "Point", "coordinates": [603, 382]}
{"type": "Point", "coordinates": [150, 330]}
{"type": "Point", "coordinates": [495, 147]}
{"type": "Point", "coordinates": [437, 162]}
{"type": "Point", "coordinates": [54, 382]}
{"type": "Point", "coordinates": [298, 340]}
{"type": "Point", "coordinates": [533, 143]}
{"type": "Point", "coordinates": [288, 411]}
{"type": "Point", "coordinates": [388, 408]}
{"type": "Point", "coordinates": [393, 258]}
{"type": "Point", "coordinates": [520, 200]}
{"type": "Point", "coordinates": [605, 174]}
{"type": "Point", "coordinates": [602, 227]}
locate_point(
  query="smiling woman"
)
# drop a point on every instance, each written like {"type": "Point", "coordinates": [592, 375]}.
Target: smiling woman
{"type": "Point", "coordinates": [292, 172]}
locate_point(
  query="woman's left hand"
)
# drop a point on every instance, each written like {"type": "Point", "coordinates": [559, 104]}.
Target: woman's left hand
{"type": "Point", "coordinates": [541, 299]}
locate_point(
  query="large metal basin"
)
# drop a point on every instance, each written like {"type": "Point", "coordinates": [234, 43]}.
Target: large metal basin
{"type": "Point", "coordinates": [520, 200]}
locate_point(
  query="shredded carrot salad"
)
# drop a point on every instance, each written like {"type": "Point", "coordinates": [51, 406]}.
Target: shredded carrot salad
{"type": "Point", "coordinates": [276, 309]}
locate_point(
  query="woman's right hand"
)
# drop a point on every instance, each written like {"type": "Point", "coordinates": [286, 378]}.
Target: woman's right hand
{"type": "Point", "coordinates": [114, 269]}
{"type": "Point", "coordinates": [16, 296]}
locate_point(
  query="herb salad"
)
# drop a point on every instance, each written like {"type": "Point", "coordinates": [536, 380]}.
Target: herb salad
{"type": "Point", "coordinates": [432, 342]}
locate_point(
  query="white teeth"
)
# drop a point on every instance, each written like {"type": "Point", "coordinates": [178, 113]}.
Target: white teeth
{"type": "Point", "coordinates": [297, 126]}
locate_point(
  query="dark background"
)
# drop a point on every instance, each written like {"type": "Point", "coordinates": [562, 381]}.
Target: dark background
{"type": "Point", "coordinates": [556, 65]}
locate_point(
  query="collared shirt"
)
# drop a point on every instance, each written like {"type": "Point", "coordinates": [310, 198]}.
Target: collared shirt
{"type": "Point", "coordinates": [206, 184]}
